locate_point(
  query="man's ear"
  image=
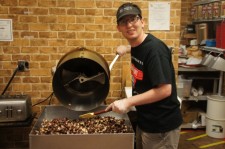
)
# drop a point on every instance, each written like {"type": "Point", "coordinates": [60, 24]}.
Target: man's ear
{"type": "Point", "coordinates": [118, 28]}
{"type": "Point", "coordinates": [143, 23]}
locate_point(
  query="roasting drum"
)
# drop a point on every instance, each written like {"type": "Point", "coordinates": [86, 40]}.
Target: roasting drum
{"type": "Point", "coordinates": [81, 80]}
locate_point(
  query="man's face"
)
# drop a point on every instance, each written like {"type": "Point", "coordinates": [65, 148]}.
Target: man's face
{"type": "Point", "coordinates": [131, 26]}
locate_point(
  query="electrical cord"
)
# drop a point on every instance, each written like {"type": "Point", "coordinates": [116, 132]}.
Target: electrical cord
{"type": "Point", "coordinates": [15, 71]}
{"type": "Point", "coordinates": [49, 97]}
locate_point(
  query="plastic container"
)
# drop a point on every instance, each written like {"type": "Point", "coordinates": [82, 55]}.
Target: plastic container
{"type": "Point", "coordinates": [215, 116]}
{"type": "Point", "coordinates": [210, 43]}
{"type": "Point", "coordinates": [215, 128]}
{"type": "Point", "coordinates": [184, 87]}
{"type": "Point", "coordinates": [216, 107]}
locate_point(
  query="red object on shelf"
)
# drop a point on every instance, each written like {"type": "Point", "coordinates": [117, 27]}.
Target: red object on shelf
{"type": "Point", "coordinates": [218, 35]}
{"type": "Point", "coordinates": [223, 35]}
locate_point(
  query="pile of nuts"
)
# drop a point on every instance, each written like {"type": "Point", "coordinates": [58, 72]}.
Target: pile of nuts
{"type": "Point", "coordinates": [94, 125]}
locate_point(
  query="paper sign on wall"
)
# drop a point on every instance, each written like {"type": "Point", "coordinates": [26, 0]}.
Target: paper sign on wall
{"type": "Point", "coordinates": [159, 16]}
{"type": "Point", "coordinates": [6, 33]}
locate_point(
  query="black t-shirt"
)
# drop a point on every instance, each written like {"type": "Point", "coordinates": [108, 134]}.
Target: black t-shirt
{"type": "Point", "coordinates": [152, 66]}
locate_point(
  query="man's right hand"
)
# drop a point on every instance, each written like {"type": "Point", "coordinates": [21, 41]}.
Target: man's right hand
{"type": "Point", "coordinates": [122, 49]}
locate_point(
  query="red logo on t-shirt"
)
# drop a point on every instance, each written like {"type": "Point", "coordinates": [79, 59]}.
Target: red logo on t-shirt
{"type": "Point", "coordinates": [136, 74]}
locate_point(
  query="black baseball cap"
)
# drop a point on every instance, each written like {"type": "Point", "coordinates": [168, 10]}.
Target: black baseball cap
{"type": "Point", "coordinates": [127, 9]}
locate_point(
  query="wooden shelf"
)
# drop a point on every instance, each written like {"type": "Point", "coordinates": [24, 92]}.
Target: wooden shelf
{"type": "Point", "coordinates": [190, 36]}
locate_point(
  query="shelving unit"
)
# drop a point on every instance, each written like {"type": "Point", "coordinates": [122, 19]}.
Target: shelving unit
{"type": "Point", "coordinates": [191, 106]}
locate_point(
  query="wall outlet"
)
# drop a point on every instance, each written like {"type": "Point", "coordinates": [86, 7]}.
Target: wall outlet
{"type": "Point", "coordinates": [23, 65]}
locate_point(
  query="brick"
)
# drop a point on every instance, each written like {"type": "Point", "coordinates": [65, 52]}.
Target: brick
{"type": "Point", "coordinates": [39, 27]}
{"type": "Point", "coordinates": [15, 10]}
{"type": "Point", "coordinates": [94, 12]}
{"type": "Point", "coordinates": [94, 28]}
{"type": "Point", "coordinates": [110, 42]}
{"type": "Point", "coordinates": [40, 57]}
{"type": "Point", "coordinates": [20, 26]}
{"type": "Point", "coordinates": [46, 80]}
{"type": "Point", "coordinates": [31, 79]}
{"type": "Point", "coordinates": [66, 19]}
{"type": "Point", "coordinates": [57, 11]}
{"type": "Point", "coordinates": [40, 72]}
{"type": "Point", "coordinates": [48, 34]}
{"type": "Point", "coordinates": [75, 27]}
{"type": "Point", "coordinates": [9, 65]}
{"type": "Point", "coordinates": [75, 11]}
{"type": "Point", "coordinates": [20, 42]}
{"type": "Point", "coordinates": [104, 50]}
{"type": "Point", "coordinates": [85, 35]}
{"type": "Point", "coordinates": [55, 56]}
{"type": "Point", "coordinates": [29, 34]}
{"type": "Point", "coordinates": [110, 12]}
{"type": "Point", "coordinates": [94, 42]}
{"type": "Point", "coordinates": [10, 50]}
{"type": "Point", "coordinates": [78, 43]}
{"type": "Point", "coordinates": [103, 20]}
{"type": "Point", "coordinates": [38, 42]}
{"type": "Point", "coordinates": [33, 50]}
{"type": "Point", "coordinates": [84, 4]}
{"type": "Point", "coordinates": [66, 4]}
{"type": "Point", "coordinates": [172, 35]}
{"type": "Point", "coordinates": [3, 10]}
{"type": "Point", "coordinates": [5, 72]}
{"type": "Point", "coordinates": [39, 11]}
{"type": "Point", "coordinates": [20, 57]}
{"type": "Point", "coordinates": [58, 27]}
{"type": "Point", "coordinates": [47, 3]}
{"type": "Point", "coordinates": [40, 87]}
{"type": "Point", "coordinates": [9, 2]}
{"type": "Point", "coordinates": [66, 35]}
{"type": "Point", "coordinates": [48, 50]}
{"type": "Point", "coordinates": [47, 65]}
{"type": "Point", "coordinates": [110, 27]}
{"type": "Point", "coordinates": [85, 19]}
{"type": "Point", "coordinates": [58, 42]}
{"type": "Point", "coordinates": [28, 3]}
{"type": "Point", "coordinates": [21, 87]}
{"type": "Point", "coordinates": [115, 86]}
{"type": "Point", "coordinates": [103, 35]}
{"type": "Point", "coordinates": [104, 4]}
{"type": "Point", "coordinates": [47, 19]}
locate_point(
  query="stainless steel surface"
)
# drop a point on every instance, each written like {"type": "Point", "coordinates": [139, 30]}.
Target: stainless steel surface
{"type": "Point", "coordinates": [79, 141]}
{"type": "Point", "coordinates": [15, 108]}
{"type": "Point", "coordinates": [81, 80]}
{"type": "Point", "coordinates": [197, 69]}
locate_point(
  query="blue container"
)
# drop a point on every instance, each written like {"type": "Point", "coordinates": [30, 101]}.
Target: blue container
{"type": "Point", "coordinates": [211, 43]}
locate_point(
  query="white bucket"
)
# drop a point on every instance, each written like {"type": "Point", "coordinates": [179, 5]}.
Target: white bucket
{"type": "Point", "coordinates": [215, 128]}
{"type": "Point", "coordinates": [216, 107]}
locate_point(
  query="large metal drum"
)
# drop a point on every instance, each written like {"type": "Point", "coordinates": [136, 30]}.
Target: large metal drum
{"type": "Point", "coordinates": [81, 80]}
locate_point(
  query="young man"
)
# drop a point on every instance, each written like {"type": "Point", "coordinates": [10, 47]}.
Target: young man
{"type": "Point", "coordinates": [153, 84]}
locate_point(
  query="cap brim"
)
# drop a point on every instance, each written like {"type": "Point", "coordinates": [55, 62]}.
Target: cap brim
{"type": "Point", "coordinates": [126, 13]}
